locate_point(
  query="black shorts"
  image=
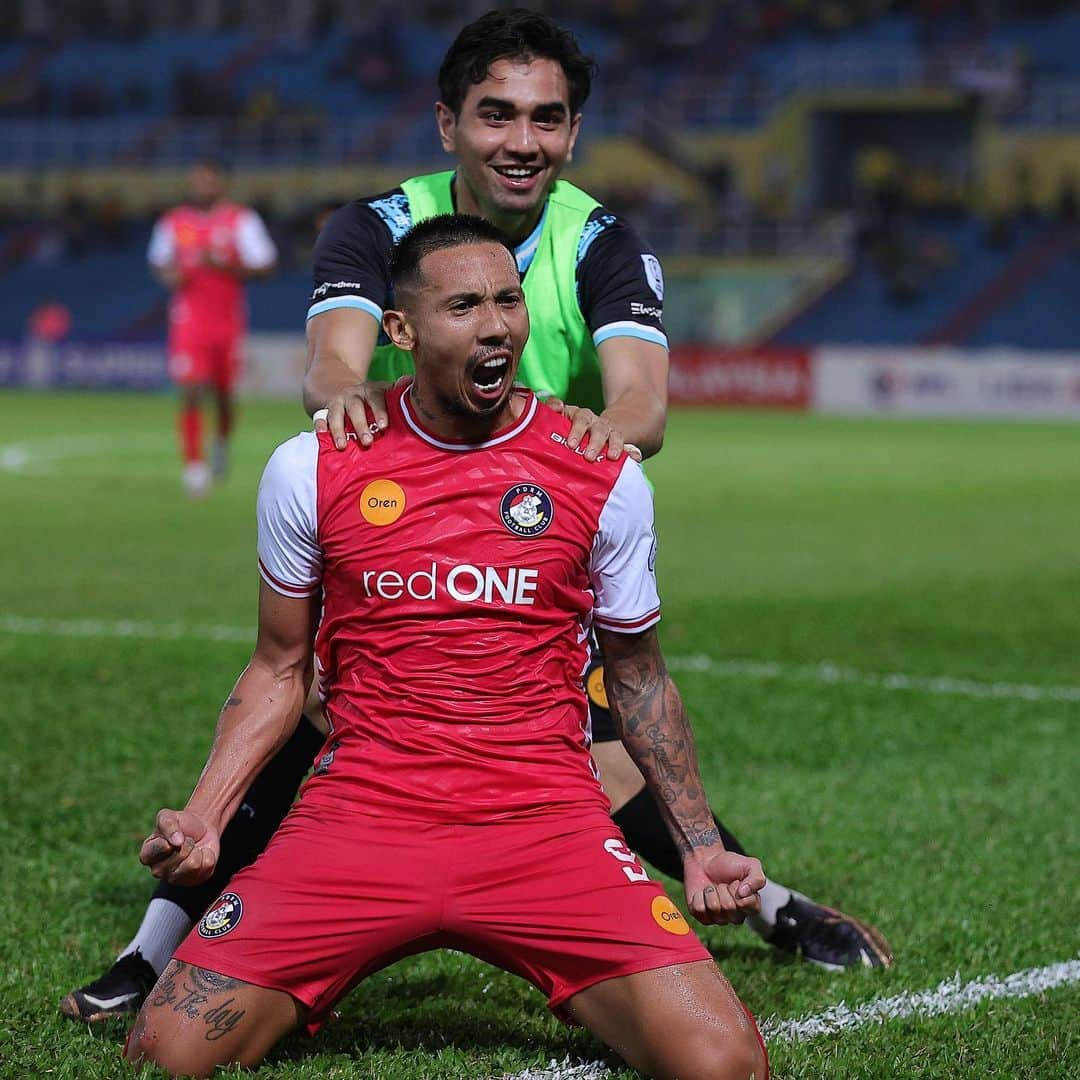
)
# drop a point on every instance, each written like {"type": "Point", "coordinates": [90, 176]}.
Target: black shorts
{"type": "Point", "coordinates": [603, 727]}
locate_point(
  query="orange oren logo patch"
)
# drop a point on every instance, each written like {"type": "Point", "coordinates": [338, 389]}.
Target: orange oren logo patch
{"type": "Point", "coordinates": [668, 916]}
{"type": "Point", "coordinates": [594, 685]}
{"type": "Point", "coordinates": [382, 502]}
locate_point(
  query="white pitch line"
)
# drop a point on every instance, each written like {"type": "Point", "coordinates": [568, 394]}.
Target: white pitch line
{"type": "Point", "coordinates": [950, 996]}
{"type": "Point", "coordinates": [123, 628]}
{"type": "Point", "coordinates": [37, 457]}
{"type": "Point", "coordinates": [829, 673]}
{"type": "Point", "coordinates": [825, 672]}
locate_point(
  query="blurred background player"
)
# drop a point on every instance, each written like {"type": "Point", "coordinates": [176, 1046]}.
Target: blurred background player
{"type": "Point", "coordinates": [203, 251]}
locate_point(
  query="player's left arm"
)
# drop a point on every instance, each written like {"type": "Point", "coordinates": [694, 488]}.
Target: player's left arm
{"type": "Point", "coordinates": [256, 253]}
{"type": "Point", "coordinates": [635, 378]}
{"type": "Point", "coordinates": [621, 293]}
{"type": "Point", "coordinates": [634, 375]}
{"type": "Point", "coordinates": [721, 886]}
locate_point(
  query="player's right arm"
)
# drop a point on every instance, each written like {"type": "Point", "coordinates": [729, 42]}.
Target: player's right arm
{"type": "Point", "coordinates": [256, 721]}
{"type": "Point", "coordinates": [265, 705]}
{"type": "Point", "coordinates": [161, 254]}
{"type": "Point", "coordinates": [339, 347]}
{"type": "Point", "coordinates": [351, 276]}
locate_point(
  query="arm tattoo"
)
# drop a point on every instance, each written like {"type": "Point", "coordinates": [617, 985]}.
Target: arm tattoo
{"type": "Point", "coordinates": [234, 702]}
{"type": "Point", "coordinates": [200, 994]}
{"type": "Point", "coordinates": [652, 722]}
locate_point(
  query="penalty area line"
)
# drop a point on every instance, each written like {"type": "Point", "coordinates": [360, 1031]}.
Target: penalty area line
{"type": "Point", "coordinates": [825, 673]}
{"type": "Point", "coordinates": [829, 673]}
{"type": "Point", "coordinates": [123, 628]}
{"type": "Point", "coordinates": [949, 996]}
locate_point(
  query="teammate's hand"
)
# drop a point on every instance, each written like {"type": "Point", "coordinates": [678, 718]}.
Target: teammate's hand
{"type": "Point", "coordinates": [183, 849]}
{"type": "Point", "coordinates": [722, 887]}
{"type": "Point", "coordinates": [354, 403]}
{"type": "Point", "coordinates": [601, 437]}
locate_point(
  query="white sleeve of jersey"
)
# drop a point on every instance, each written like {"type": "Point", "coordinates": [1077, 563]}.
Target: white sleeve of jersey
{"type": "Point", "coordinates": [162, 248]}
{"type": "Point", "coordinates": [290, 560]}
{"type": "Point", "coordinates": [256, 249]}
{"type": "Point", "coordinates": [623, 563]}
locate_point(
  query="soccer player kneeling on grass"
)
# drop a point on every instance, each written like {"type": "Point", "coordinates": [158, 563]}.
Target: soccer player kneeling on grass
{"type": "Point", "coordinates": [453, 571]}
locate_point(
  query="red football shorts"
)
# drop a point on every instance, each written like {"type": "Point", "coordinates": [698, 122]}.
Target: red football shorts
{"type": "Point", "coordinates": [559, 900]}
{"type": "Point", "coordinates": [217, 364]}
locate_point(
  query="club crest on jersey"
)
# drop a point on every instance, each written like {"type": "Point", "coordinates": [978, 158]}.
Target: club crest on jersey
{"type": "Point", "coordinates": [654, 275]}
{"type": "Point", "coordinates": [222, 917]}
{"type": "Point", "coordinates": [526, 510]}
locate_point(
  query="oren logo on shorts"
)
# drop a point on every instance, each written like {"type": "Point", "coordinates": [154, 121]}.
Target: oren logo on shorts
{"type": "Point", "coordinates": [382, 502]}
{"type": "Point", "coordinates": [668, 917]}
{"type": "Point", "coordinates": [222, 917]}
{"type": "Point", "coordinates": [594, 686]}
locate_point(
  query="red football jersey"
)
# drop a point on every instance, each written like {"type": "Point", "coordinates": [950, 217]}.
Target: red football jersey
{"type": "Point", "coordinates": [208, 305]}
{"type": "Point", "coordinates": [458, 582]}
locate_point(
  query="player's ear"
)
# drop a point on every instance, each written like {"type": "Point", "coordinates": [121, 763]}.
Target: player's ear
{"type": "Point", "coordinates": [447, 124]}
{"type": "Point", "coordinates": [399, 330]}
{"type": "Point", "coordinates": [575, 127]}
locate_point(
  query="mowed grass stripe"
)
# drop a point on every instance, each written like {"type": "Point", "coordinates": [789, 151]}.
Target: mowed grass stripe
{"type": "Point", "coordinates": [933, 550]}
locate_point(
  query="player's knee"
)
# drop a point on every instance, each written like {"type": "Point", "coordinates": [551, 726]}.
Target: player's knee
{"type": "Point", "coordinates": [145, 1046]}
{"type": "Point", "coordinates": [718, 1053]}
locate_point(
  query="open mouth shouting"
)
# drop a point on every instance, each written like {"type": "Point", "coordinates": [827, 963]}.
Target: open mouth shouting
{"type": "Point", "coordinates": [489, 378]}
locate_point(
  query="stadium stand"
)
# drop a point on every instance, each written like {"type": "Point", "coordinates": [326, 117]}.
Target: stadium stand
{"type": "Point", "coordinates": [746, 133]}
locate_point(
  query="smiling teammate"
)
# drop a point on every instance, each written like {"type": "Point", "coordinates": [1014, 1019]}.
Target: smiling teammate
{"type": "Point", "coordinates": [511, 90]}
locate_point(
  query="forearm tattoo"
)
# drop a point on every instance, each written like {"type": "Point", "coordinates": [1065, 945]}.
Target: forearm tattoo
{"type": "Point", "coordinates": [652, 722]}
{"type": "Point", "coordinates": [199, 995]}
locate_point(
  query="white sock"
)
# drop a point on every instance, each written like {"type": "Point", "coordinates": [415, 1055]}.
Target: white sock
{"type": "Point", "coordinates": [164, 926]}
{"type": "Point", "coordinates": [773, 897]}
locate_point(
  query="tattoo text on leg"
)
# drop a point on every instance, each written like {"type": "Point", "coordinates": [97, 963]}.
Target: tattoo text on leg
{"type": "Point", "coordinates": [200, 994]}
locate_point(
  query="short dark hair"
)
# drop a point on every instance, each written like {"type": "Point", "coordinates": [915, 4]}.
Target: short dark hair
{"type": "Point", "coordinates": [519, 34]}
{"type": "Point", "coordinates": [434, 234]}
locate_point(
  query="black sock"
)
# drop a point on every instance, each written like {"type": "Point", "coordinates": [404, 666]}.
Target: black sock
{"type": "Point", "coordinates": [647, 835]}
{"type": "Point", "coordinates": [262, 810]}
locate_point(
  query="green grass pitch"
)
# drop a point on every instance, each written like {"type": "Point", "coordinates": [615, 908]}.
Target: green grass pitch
{"type": "Point", "coordinates": [945, 812]}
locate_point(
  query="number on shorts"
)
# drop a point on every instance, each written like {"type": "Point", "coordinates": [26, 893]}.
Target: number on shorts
{"type": "Point", "coordinates": [618, 848]}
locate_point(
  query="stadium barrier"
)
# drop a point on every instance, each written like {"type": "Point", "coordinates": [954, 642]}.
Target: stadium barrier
{"type": "Point", "coordinates": [947, 382]}
{"type": "Point", "coordinates": [858, 380]}
{"type": "Point", "coordinates": [759, 378]}
{"type": "Point", "coordinates": [869, 380]}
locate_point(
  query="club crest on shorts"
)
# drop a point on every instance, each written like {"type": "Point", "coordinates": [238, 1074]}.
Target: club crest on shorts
{"type": "Point", "coordinates": [526, 510]}
{"type": "Point", "coordinates": [222, 917]}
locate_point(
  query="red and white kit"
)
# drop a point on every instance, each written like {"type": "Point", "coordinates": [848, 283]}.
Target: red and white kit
{"type": "Point", "coordinates": [455, 803]}
{"type": "Point", "coordinates": [208, 313]}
